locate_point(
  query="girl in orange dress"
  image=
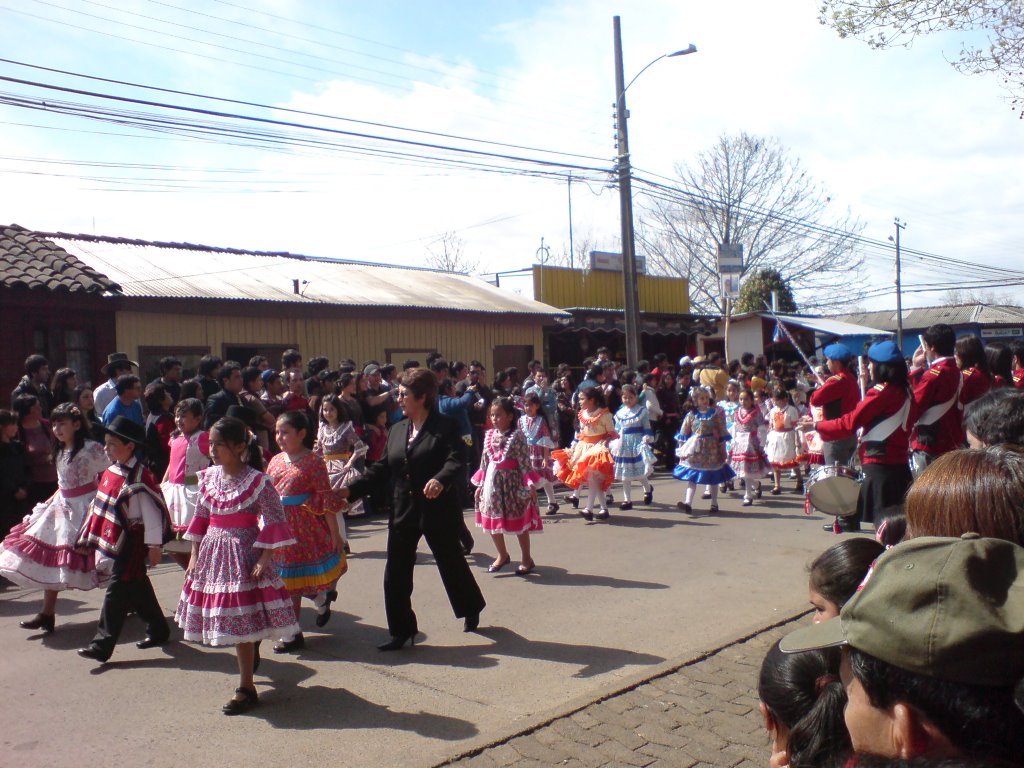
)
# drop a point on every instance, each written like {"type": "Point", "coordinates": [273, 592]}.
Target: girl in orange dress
{"type": "Point", "coordinates": [589, 462]}
{"type": "Point", "coordinates": [316, 562]}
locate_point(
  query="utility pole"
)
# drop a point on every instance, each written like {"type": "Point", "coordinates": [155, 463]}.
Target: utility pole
{"type": "Point", "coordinates": [899, 287]}
{"type": "Point", "coordinates": [631, 310]}
{"type": "Point", "coordinates": [571, 244]}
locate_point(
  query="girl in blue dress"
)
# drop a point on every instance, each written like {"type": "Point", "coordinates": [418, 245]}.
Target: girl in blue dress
{"type": "Point", "coordinates": [702, 455]}
{"type": "Point", "coordinates": [634, 459]}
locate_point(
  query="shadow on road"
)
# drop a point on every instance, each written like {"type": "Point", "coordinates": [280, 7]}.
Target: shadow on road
{"type": "Point", "coordinates": [318, 707]}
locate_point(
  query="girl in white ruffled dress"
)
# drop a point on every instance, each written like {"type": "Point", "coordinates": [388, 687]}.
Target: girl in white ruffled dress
{"type": "Point", "coordinates": [631, 450]}
{"type": "Point", "coordinates": [189, 453]}
{"type": "Point", "coordinates": [40, 551]}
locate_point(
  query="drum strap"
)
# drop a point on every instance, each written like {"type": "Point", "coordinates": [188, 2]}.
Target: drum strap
{"type": "Point", "coordinates": [883, 429]}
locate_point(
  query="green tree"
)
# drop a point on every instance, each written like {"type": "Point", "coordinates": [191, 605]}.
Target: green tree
{"type": "Point", "coordinates": [888, 23]}
{"type": "Point", "coordinates": [756, 291]}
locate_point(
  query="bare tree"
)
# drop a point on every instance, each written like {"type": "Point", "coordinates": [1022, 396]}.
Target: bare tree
{"type": "Point", "coordinates": [978, 296]}
{"type": "Point", "coordinates": [448, 254]}
{"type": "Point", "coordinates": [747, 190]}
{"type": "Point", "coordinates": [888, 23]}
{"type": "Point", "coordinates": [582, 245]}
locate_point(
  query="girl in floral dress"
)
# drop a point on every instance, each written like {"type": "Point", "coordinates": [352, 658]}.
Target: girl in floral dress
{"type": "Point", "coordinates": [190, 452]}
{"type": "Point", "coordinates": [634, 459]}
{"type": "Point", "coordinates": [40, 551]}
{"type": "Point", "coordinates": [340, 447]}
{"type": "Point", "coordinates": [506, 496]}
{"type": "Point", "coordinates": [729, 406]}
{"type": "Point", "coordinates": [783, 439]}
{"type": "Point", "coordinates": [535, 427]}
{"type": "Point", "coordinates": [702, 454]}
{"type": "Point", "coordinates": [747, 457]}
{"type": "Point", "coordinates": [589, 461]}
{"type": "Point", "coordinates": [232, 595]}
{"type": "Point", "coordinates": [317, 560]}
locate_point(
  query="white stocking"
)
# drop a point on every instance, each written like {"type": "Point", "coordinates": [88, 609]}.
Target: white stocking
{"type": "Point", "coordinates": [627, 490]}
{"type": "Point", "coordinates": [691, 488]}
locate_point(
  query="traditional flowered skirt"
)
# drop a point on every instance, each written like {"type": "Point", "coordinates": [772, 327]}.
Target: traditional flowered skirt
{"type": "Point", "coordinates": [313, 564]}
{"type": "Point", "coordinates": [748, 459]}
{"type": "Point", "coordinates": [221, 604]}
{"type": "Point", "coordinates": [39, 552]}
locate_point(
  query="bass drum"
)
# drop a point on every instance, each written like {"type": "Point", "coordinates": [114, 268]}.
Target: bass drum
{"type": "Point", "coordinates": [833, 490]}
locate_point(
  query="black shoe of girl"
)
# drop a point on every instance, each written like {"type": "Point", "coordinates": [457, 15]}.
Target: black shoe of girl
{"type": "Point", "coordinates": [684, 507]}
{"type": "Point", "coordinates": [649, 497]}
{"type": "Point", "coordinates": [602, 513]}
{"type": "Point", "coordinates": [757, 493]}
{"type": "Point", "coordinates": [552, 509]}
{"type": "Point", "coordinates": [713, 509]}
{"type": "Point", "coordinates": [626, 506]}
{"type": "Point", "coordinates": [706, 495]}
{"type": "Point", "coordinates": [297, 643]}
{"type": "Point", "coordinates": [587, 514]}
{"type": "Point", "coordinates": [574, 500]}
{"type": "Point", "coordinates": [323, 618]}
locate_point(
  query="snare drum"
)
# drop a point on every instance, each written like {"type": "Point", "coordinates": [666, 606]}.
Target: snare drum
{"type": "Point", "coordinates": [834, 490]}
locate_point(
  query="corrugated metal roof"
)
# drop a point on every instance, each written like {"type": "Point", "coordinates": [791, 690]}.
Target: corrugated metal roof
{"type": "Point", "coordinates": [832, 326]}
{"type": "Point", "coordinates": [183, 270]}
{"type": "Point", "coordinates": [957, 314]}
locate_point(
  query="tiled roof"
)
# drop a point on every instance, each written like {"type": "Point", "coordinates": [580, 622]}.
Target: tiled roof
{"type": "Point", "coordinates": [30, 261]}
{"type": "Point", "coordinates": [957, 314]}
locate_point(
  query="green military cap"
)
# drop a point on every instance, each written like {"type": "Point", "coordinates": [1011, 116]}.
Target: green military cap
{"type": "Point", "coordinates": [943, 607]}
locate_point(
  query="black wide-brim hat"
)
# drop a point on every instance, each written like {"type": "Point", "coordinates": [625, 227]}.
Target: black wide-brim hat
{"type": "Point", "coordinates": [116, 357]}
{"type": "Point", "coordinates": [124, 428]}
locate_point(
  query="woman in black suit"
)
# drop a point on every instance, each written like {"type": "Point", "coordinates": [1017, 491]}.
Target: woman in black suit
{"type": "Point", "coordinates": [422, 465]}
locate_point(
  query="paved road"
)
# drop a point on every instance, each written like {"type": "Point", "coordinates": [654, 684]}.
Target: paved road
{"type": "Point", "coordinates": [610, 604]}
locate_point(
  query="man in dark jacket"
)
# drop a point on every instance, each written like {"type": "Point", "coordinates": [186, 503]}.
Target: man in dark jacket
{"type": "Point", "coordinates": [35, 382]}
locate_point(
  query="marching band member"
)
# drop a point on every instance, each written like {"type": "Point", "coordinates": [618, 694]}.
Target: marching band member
{"type": "Point", "coordinates": [837, 397]}
{"type": "Point", "coordinates": [884, 415]}
{"type": "Point", "coordinates": [937, 414]}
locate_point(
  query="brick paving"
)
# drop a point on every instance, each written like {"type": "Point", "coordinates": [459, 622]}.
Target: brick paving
{"type": "Point", "coordinates": [703, 714]}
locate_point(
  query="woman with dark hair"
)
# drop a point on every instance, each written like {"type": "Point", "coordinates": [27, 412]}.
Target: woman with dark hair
{"type": "Point", "coordinates": [82, 397]}
{"type": "Point", "coordinates": [159, 426]}
{"type": "Point", "coordinates": [65, 381]}
{"type": "Point", "coordinates": [836, 574]}
{"type": "Point", "coordinates": [1000, 364]}
{"type": "Point", "coordinates": [883, 415]}
{"type": "Point", "coordinates": [193, 389]}
{"type": "Point", "coordinates": [970, 490]}
{"type": "Point", "coordinates": [232, 595]}
{"type": "Point", "coordinates": [564, 391]}
{"type": "Point", "coordinates": [802, 702]}
{"type": "Point", "coordinates": [39, 444]}
{"type": "Point", "coordinates": [974, 370]}
{"type": "Point", "coordinates": [422, 464]}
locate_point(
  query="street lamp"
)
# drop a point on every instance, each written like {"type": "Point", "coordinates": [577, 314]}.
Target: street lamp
{"type": "Point", "coordinates": [631, 308]}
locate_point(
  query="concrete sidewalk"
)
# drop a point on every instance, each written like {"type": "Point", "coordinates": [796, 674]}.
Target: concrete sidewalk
{"type": "Point", "coordinates": [697, 713]}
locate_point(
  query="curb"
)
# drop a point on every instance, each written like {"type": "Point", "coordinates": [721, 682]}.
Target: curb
{"type": "Point", "coordinates": [580, 703]}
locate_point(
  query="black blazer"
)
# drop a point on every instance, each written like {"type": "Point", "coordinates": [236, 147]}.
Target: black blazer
{"type": "Point", "coordinates": [436, 453]}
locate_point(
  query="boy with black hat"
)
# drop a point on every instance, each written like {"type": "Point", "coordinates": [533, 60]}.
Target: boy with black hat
{"type": "Point", "coordinates": [127, 524]}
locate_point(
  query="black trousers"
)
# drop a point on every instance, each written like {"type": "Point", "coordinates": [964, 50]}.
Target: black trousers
{"type": "Point", "coordinates": [122, 596]}
{"type": "Point", "coordinates": [463, 592]}
{"type": "Point", "coordinates": [129, 590]}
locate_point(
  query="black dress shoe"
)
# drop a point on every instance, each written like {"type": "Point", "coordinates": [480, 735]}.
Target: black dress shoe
{"type": "Point", "coordinates": [43, 621]}
{"type": "Point", "coordinates": [238, 706]}
{"type": "Point", "coordinates": [471, 623]}
{"type": "Point", "coordinates": [297, 643]}
{"type": "Point", "coordinates": [397, 641]}
{"type": "Point", "coordinates": [151, 642]}
{"type": "Point", "coordinates": [552, 509]}
{"type": "Point", "coordinates": [626, 506]}
{"type": "Point", "coordinates": [94, 653]}
{"type": "Point", "coordinates": [330, 597]}
{"type": "Point", "coordinates": [648, 497]}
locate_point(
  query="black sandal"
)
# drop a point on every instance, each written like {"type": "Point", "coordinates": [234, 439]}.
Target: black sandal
{"type": "Point", "coordinates": [238, 706]}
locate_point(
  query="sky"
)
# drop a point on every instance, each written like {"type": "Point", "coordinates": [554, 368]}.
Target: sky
{"type": "Point", "coordinates": [897, 133]}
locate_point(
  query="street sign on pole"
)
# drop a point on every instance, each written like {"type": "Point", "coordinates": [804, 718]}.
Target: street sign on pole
{"type": "Point", "coordinates": [731, 285]}
{"type": "Point", "coordinates": [730, 258]}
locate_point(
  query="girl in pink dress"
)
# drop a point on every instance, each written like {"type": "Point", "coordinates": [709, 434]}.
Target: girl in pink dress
{"type": "Point", "coordinates": [232, 594]}
{"type": "Point", "coordinates": [190, 452]}
{"type": "Point", "coordinates": [506, 496]}
{"type": "Point", "coordinates": [316, 560]}
{"type": "Point", "coordinates": [747, 457]}
{"type": "Point", "coordinates": [40, 551]}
